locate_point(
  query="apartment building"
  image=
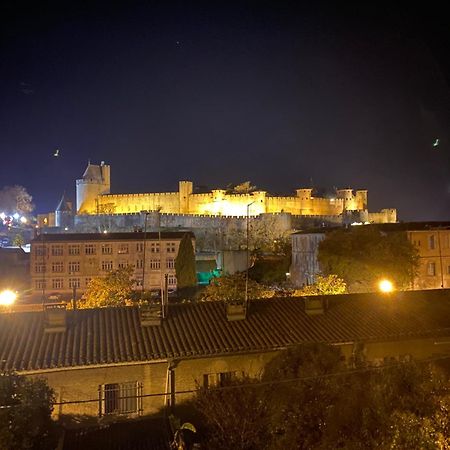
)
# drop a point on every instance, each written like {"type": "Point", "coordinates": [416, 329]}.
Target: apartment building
{"type": "Point", "coordinates": [61, 262]}
{"type": "Point", "coordinates": [433, 245]}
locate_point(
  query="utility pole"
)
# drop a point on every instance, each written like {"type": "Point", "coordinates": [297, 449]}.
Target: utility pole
{"type": "Point", "coordinates": [248, 255]}
{"type": "Point", "coordinates": [145, 246]}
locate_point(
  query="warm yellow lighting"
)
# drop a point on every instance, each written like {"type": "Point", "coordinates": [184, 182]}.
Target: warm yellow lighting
{"type": "Point", "coordinates": [386, 286]}
{"type": "Point", "coordinates": [7, 297]}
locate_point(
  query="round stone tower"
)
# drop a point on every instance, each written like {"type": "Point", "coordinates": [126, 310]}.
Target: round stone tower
{"type": "Point", "coordinates": [96, 181]}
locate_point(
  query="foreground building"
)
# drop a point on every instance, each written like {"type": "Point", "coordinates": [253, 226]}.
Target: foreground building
{"type": "Point", "coordinates": [130, 362]}
{"type": "Point", "coordinates": [62, 262]}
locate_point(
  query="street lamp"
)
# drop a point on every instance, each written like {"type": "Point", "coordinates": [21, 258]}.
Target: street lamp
{"type": "Point", "coordinates": [248, 256]}
{"type": "Point", "coordinates": [145, 245]}
{"type": "Point", "coordinates": [385, 286]}
{"type": "Point", "coordinates": [7, 297]}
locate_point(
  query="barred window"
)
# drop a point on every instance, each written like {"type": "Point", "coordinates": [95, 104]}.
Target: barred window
{"type": "Point", "coordinates": [155, 264]}
{"type": "Point", "coordinates": [74, 282]}
{"type": "Point", "coordinates": [39, 268]}
{"type": "Point", "coordinates": [106, 249]}
{"type": "Point", "coordinates": [123, 249]}
{"type": "Point", "coordinates": [74, 266]}
{"type": "Point", "coordinates": [57, 267]}
{"type": "Point", "coordinates": [40, 250]}
{"type": "Point", "coordinates": [107, 265]}
{"type": "Point", "coordinates": [120, 398]}
{"type": "Point", "coordinates": [74, 249]}
{"type": "Point", "coordinates": [57, 250]}
{"type": "Point", "coordinates": [57, 283]}
{"type": "Point", "coordinates": [89, 249]}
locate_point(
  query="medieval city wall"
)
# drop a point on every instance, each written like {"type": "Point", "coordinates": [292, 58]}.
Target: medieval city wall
{"type": "Point", "coordinates": [168, 202]}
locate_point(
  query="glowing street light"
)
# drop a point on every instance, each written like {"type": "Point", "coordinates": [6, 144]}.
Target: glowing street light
{"type": "Point", "coordinates": [7, 297]}
{"type": "Point", "coordinates": [385, 286]}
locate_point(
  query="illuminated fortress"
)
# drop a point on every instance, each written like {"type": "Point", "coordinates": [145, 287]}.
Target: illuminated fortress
{"type": "Point", "coordinates": [94, 198]}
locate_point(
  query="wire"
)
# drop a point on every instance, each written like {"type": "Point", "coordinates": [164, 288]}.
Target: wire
{"type": "Point", "coordinates": [255, 384]}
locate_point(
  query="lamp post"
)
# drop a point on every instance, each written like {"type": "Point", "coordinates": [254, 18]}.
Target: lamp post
{"type": "Point", "coordinates": [248, 256]}
{"type": "Point", "coordinates": [145, 246]}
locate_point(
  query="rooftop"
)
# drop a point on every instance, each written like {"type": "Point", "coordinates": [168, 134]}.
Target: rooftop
{"type": "Point", "coordinates": [132, 236]}
{"type": "Point", "coordinates": [386, 227]}
{"type": "Point", "coordinates": [115, 335]}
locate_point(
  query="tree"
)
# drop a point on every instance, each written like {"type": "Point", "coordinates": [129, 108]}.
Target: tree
{"type": "Point", "coordinates": [244, 188]}
{"type": "Point", "coordinates": [235, 414]}
{"type": "Point", "coordinates": [185, 264]}
{"type": "Point", "coordinates": [311, 399]}
{"type": "Point", "coordinates": [25, 413]}
{"type": "Point", "coordinates": [363, 255]}
{"type": "Point", "coordinates": [232, 287]}
{"type": "Point", "coordinates": [15, 199]}
{"type": "Point", "coordinates": [116, 289]}
{"type": "Point", "coordinates": [18, 240]}
{"type": "Point", "coordinates": [325, 285]}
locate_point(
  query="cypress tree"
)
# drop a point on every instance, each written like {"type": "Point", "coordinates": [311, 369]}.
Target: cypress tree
{"type": "Point", "coordinates": [185, 264]}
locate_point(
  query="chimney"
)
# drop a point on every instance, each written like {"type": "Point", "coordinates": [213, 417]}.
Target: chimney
{"type": "Point", "coordinates": [150, 315]}
{"type": "Point", "coordinates": [55, 318]}
{"type": "Point", "coordinates": [314, 305]}
{"type": "Point", "coordinates": [236, 311]}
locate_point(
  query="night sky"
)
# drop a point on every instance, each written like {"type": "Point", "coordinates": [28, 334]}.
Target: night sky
{"type": "Point", "coordinates": [278, 93]}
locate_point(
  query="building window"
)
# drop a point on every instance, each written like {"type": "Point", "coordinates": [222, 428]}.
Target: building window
{"type": "Point", "coordinates": [40, 250]}
{"type": "Point", "coordinates": [154, 248]}
{"type": "Point", "coordinates": [87, 280]}
{"type": "Point", "coordinates": [139, 246]}
{"type": "Point", "coordinates": [448, 270]}
{"type": "Point", "coordinates": [74, 249]}
{"type": "Point", "coordinates": [107, 266]}
{"type": "Point", "coordinates": [431, 242]}
{"type": "Point", "coordinates": [170, 263]}
{"type": "Point", "coordinates": [122, 264]}
{"type": "Point", "coordinates": [57, 250]}
{"type": "Point", "coordinates": [89, 249]}
{"type": "Point", "coordinates": [123, 249]}
{"type": "Point", "coordinates": [220, 379]}
{"type": "Point", "coordinates": [40, 284]}
{"type": "Point", "coordinates": [57, 267]}
{"type": "Point", "coordinates": [74, 266]}
{"type": "Point", "coordinates": [57, 283]}
{"type": "Point", "coordinates": [172, 280]}
{"type": "Point", "coordinates": [120, 398]}
{"type": "Point", "coordinates": [40, 268]}
{"type": "Point", "coordinates": [74, 283]}
{"type": "Point", "coordinates": [170, 247]}
{"type": "Point", "coordinates": [431, 269]}
{"type": "Point", "coordinates": [106, 249]}
{"type": "Point", "coordinates": [155, 264]}
{"type": "Point", "coordinates": [139, 264]}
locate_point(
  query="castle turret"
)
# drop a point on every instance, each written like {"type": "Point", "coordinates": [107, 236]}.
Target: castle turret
{"type": "Point", "coordinates": [305, 197]}
{"type": "Point", "coordinates": [96, 181]}
{"type": "Point", "coordinates": [64, 213]}
{"type": "Point", "coordinates": [185, 189]}
{"type": "Point", "coordinates": [349, 199]}
{"type": "Point", "coordinates": [361, 199]}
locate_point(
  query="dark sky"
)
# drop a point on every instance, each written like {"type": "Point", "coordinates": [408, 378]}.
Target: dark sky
{"type": "Point", "coordinates": [273, 92]}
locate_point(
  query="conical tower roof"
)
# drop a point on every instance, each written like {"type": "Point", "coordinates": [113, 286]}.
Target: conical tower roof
{"type": "Point", "coordinates": [63, 205]}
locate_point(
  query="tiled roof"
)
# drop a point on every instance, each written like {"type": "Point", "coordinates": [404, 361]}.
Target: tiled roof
{"type": "Point", "coordinates": [115, 335]}
{"type": "Point", "coordinates": [86, 237]}
{"type": "Point", "coordinates": [386, 227]}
